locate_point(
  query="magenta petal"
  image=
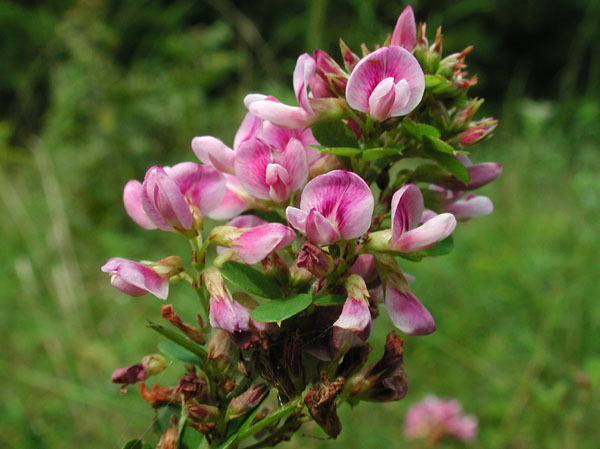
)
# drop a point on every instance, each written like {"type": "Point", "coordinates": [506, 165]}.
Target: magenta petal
{"type": "Point", "coordinates": [135, 279]}
{"type": "Point", "coordinates": [203, 185]}
{"type": "Point", "coordinates": [297, 218]}
{"type": "Point", "coordinates": [257, 243]}
{"type": "Point", "coordinates": [407, 313]}
{"type": "Point", "coordinates": [343, 198]}
{"type": "Point", "coordinates": [470, 207]}
{"type": "Point", "coordinates": [296, 163]}
{"type": "Point", "coordinates": [282, 115]}
{"type": "Point", "coordinates": [355, 316]}
{"type": "Point", "coordinates": [319, 230]}
{"type": "Point", "coordinates": [425, 236]}
{"type": "Point", "coordinates": [212, 151]}
{"type": "Point", "coordinates": [406, 210]}
{"type": "Point", "coordinates": [228, 314]}
{"type": "Point", "coordinates": [305, 69]}
{"type": "Point", "coordinates": [395, 62]}
{"type": "Point", "coordinates": [163, 201]}
{"type": "Point", "coordinates": [251, 162]}
{"type": "Point", "coordinates": [232, 203]}
{"type": "Point", "coordinates": [132, 199]}
{"type": "Point", "coordinates": [250, 128]}
{"type": "Point", "coordinates": [482, 174]}
{"type": "Point", "coordinates": [405, 32]}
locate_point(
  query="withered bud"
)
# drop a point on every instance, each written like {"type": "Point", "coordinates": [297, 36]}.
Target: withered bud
{"type": "Point", "coordinates": [168, 440]}
{"type": "Point", "coordinates": [350, 59]}
{"type": "Point", "coordinates": [158, 395]}
{"type": "Point", "coordinates": [191, 386]}
{"type": "Point", "coordinates": [219, 348]}
{"type": "Point", "coordinates": [275, 266]}
{"type": "Point", "coordinates": [202, 412]}
{"type": "Point", "coordinates": [320, 401]}
{"type": "Point", "coordinates": [386, 379]}
{"type": "Point", "coordinates": [315, 260]}
{"type": "Point", "coordinates": [193, 333]}
{"type": "Point", "coordinates": [354, 360]}
{"type": "Point", "coordinates": [150, 365]}
{"type": "Point", "coordinates": [168, 267]}
{"type": "Point", "coordinates": [246, 401]}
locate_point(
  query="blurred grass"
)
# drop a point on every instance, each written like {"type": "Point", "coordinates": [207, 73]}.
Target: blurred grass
{"type": "Point", "coordinates": [129, 85]}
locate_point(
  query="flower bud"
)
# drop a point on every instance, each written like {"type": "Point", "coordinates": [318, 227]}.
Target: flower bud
{"type": "Point", "coordinates": [405, 32]}
{"type": "Point", "coordinates": [350, 59]}
{"type": "Point", "coordinates": [191, 387]}
{"type": "Point", "coordinates": [480, 131]}
{"type": "Point", "coordinates": [354, 323]}
{"type": "Point", "coordinates": [168, 439]}
{"type": "Point", "coordinates": [220, 349]}
{"type": "Point", "coordinates": [168, 267]}
{"type": "Point", "coordinates": [225, 313]}
{"type": "Point", "coordinates": [330, 73]}
{"type": "Point", "coordinates": [135, 279]}
{"type": "Point", "coordinates": [246, 401]}
{"type": "Point", "coordinates": [150, 365]}
{"type": "Point", "coordinates": [202, 412]}
{"type": "Point", "coordinates": [315, 260]}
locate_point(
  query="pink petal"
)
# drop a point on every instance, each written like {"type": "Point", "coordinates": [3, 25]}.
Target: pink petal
{"type": "Point", "coordinates": [132, 199]}
{"type": "Point", "coordinates": [402, 95]}
{"type": "Point", "coordinates": [407, 313]}
{"type": "Point", "coordinates": [382, 99]}
{"type": "Point", "coordinates": [470, 207]}
{"type": "Point", "coordinates": [212, 151]}
{"type": "Point", "coordinates": [278, 178]}
{"type": "Point", "coordinates": [252, 98]}
{"type": "Point", "coordinates": [319, 229]}
{"type": "Point", "coordinates": [482, 174]}
{"type": "Point", "coordinates": [228, 314]}
{"type": "Point", "coordinates": [364, 266]}
{"type": "Point", "coordinates": [251, 162]}
{"type": "Point", "coordinates": [406, 210]}
{"type": "Point", "coordinates": [257, 243]}
{"type": "Point", "coordinates": [233, 203]}
{"type": "Point", "coordinates": [203, 185]}
{"type": "Point", "coordinates": [296, 163]}
{"type": "Point", "coordinates": [246, 221]}
{"type": "Point", "coordinates": [281, 114]}
{"type": "Point", "coordinates": [305, 69]}
{"type": "Point", "coordinates": [343, 198]}
{"type": "Point", "coordinates": [163, 201]}
{"type": "Point", "coordinates": [250, 128]}
{"type": "Point", "coordinates": [297, 218]}
{"type": "Point", "coordinates": [425, 236]}
{"type": "Point", "coordinates": [136, 279]}
{"type": "Point", "coordinates": [405, 32]}
{"type": "Point", "coordinates": [355, 316]}
{"type": "Point", "coordinates": [395, 62]}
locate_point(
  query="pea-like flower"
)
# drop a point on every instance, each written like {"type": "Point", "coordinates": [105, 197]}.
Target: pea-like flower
{"type": "Point", "coordinates": [386, 83]}
{"type": "Point", "coordinates": [224, 312]}
{"type": "Point", "coordinates": [433, 419]}
{"type": "Point", "coordinates": [170, 196]}
{"type": "Point", "coordinates": [335, 206]}
{"type": "Point", "coordinates": [353, 326]}
{"type": "Point", "coordinates": [135, 279]}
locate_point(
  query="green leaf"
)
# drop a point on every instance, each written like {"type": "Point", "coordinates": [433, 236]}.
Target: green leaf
{"type": "Point", "coordinates": [341, 151]}
{"type": "Point", "coordinates": [439, 145]}
{"type": "Point", "coordinates": [177, 352]}
{"type": "Point", "coordinates": [411, 128]}
{"type": "Point", "coordinates": [136, 444]}
{"type": "Point", "coordinates": [441, 86]}
{"type": "Point", "coordinates": [377, 153]}
{"type": "Point", "coordinates": [182, 341]}
{"type": "Point", "coordinates": [329, 300]}
{"type": "Point", "coordinates": [251, 280]}
{"type": "Point", "coordinates": [442, 248]}
{"type": "Point", "coordinates": [191, 438]}
{"type": "Point", "coordinates": [334, 134]}
{"type": "Point", "coordinates": [432, 81]}
{"type": "Point", "coordinates": [450, 163]}
{"type": "Point", "coordinates": [425, 130]}
{"type": "Point", "coordinates": [277, 310]}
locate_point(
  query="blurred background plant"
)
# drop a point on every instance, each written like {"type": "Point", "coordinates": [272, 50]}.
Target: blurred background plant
{"type": "Point", "coordinates": [95, 91]}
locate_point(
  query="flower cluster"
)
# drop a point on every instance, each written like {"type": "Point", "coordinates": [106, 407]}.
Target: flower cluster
{"type": "Point", "coordinates": [322, 203]}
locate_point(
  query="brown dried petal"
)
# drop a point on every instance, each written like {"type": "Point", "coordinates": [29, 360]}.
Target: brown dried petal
{"type": "Point", "coordinates": [193, 333]}
{"type": "Point", "coordinates": [320, 401]}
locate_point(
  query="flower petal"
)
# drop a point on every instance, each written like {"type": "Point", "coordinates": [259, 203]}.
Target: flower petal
{"type": "Point", "coordinates": [250, 165]}
{"type": "Point", "coordinates": [406, 210]}
{"type": "Point", "coordinates": [281, 114]}
{"type": "Point", "coordinates": [407, 313]}
{"type": "Point", "coordinates": [319, 229]}
{"type": "Point", "coordinates": [233, 203]}
{"type": "Point", "coordinates": [257, 243]}
{"type": "Point", "coordinates": [382, 99]}
{"type": "Point", "coordinates": [297, 218]}
{"type": "Point", "coordinates": [303, 72]}
{"type": "Point", "coordinates": [228, 314]}
{"type": "Point", "coordinates": [135, 279]}
{"type": "Point", "coordinates": [405, 32]}
{"type": "Point", "coordinates": [251, 127]}
{"type": "Point", "coordinates": [132, 199]}
{"type": "Point", "coordinates": [212, 151]}
{"type": "Point", "coordinates": [470, 207]}
{"type": "Point", "coordinates": [246, 221]}
{"type": "Point", "coordinates": [203, 185]}
{"type": "Point", "coordinates": [163, 201]}
{"type": "Point", "coordinates": [425, 236]}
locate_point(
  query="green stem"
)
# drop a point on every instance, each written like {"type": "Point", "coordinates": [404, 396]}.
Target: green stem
{"type": "Point", "coordinates": [179, 339]}
{"type": "Point", "coordinates": [278, 414]}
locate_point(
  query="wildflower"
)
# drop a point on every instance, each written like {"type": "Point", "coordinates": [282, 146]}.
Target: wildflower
{"type": "Point", "coordinates": [354, 323]}
{"type": "Point", "coordinates": [135, 279]}
{"type": "Point", "coordinates": [225, 313]}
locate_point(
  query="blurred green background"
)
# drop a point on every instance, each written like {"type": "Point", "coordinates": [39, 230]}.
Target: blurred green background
{"type": "Point", "coordinates": [93, 92]}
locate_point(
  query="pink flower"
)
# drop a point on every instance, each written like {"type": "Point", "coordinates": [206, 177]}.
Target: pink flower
{"type": "Point", "coordinates": [478, 132]}
{"type": "Point", "coordinates": [335, 206]}
{"type": "Point", "coordinates": [405, 32]}
{"type": "Point", "coordinates": [169, 197]}
{"type": "Point", "coordinates": [253, 244]}
{"type": "Point", "coordinates": [480, 174]}
{"type": "Point", "coordinates": [271, 173]}
{"type": "Point", "coordinates": [235, 201]}
{"type": "Point", "coordinates": [135, 279]}
{"type": "Point", "coordinates": [406, 312]}
{"type": "Point", "coordinates": [329, 79]}
{"type": "Point", "coordinates": [354, 323]}
{"type": "Point", "coordinates": [386, 83]}
{"type": "Point", "coordinates": [432, 419]}
{"type": "Point", "coordinates": [407, 213]}
{"type": "Point", "coordinates": [225, 312]}
{"type": "Point", "coordinates": [471, 206]}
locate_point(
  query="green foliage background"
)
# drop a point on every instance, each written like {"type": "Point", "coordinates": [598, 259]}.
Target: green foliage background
{"type": "Point", "coordinates": [93, 92]}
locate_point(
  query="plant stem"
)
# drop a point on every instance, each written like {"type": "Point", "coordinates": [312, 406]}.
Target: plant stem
{"type": "Point", "coordinates": [282, 412]}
